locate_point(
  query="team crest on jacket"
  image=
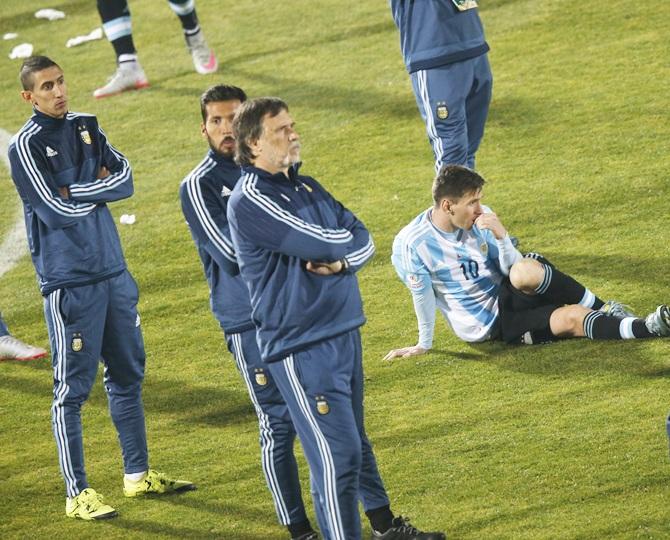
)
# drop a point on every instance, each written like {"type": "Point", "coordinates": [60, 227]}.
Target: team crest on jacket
{"type": "Point", "coordinates": [464, 5]}
{"type": "Point", "coordinates": [225, 192]}
{"type": "Point", "coordinates": [441, 110]}
{"type": "Point", "coordinates": [484, 248]}
{"type": "Point", "coordinates": [322, 405]}
{"type": "Point", "coordinates": [77, 342]}
{"type": "Point", "coordinates": [85, 135]}
{"type": "Point", "coordinates": [261, 378]}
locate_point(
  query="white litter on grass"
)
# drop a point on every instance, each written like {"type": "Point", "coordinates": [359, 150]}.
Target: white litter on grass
{"type": "Point", "coordinates": [21, 51]}
{"type": "Point", "coordinates": [127, 219]}
{"type": "Point", "coordinates": [10, 35]}
{"type": "Point", "coordinates": [51, 14]}
{"type": "Point", "coordinates": [14, 244]}
{"type": "Point", "coordinates": [78, 40]}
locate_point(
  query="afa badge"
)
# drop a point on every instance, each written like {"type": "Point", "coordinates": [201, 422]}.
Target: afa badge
{"type": "Point", "coordinates": [261, 378]}
{"type": "Point", "coordinates": [85, 136]}
{"type": "Point", "coordinates": [413, 281]}
{"type": "Point", "coordinates": [464, 5]}
{"type": "Point", "coordinates": [484, 248]}
{"type": "Point", "coordinates": [322, 406]}
{"type": "Point", "coordinates": [441, 110]}
{"type": "Point", "coordinates": [77, 342]}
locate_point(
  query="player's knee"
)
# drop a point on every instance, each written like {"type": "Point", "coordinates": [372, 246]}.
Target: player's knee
{"type": "Point", "coordinates": [526, 275]}
{"type": "Point", "coordinates": [577, 314]}
{"type": "Point", "coordinates": [568, 321]}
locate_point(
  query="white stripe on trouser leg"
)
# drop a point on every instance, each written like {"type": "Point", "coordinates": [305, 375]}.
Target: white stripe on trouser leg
{"type": "Point", "coordinates": [57, 410]}
{"type": "Point", "coordinates": [329, 477]}
{"type": "Point", "coordinates": [436, 141]}
{"type": "Point", "coordinates": [626, 328]}
{"type": "Point", "coordinates": [268, 444]}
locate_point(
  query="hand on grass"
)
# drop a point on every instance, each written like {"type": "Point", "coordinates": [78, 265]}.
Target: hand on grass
{"type": "Point", "coordinates": [405, 352]}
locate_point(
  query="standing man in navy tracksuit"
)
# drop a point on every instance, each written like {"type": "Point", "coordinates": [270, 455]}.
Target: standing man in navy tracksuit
{"type": "Point", "coordinates": [66, 172]}
{"type": "Point", "coordinates": [204, 195]}
{"type": "Point", "coordinates": [445, 52]}
{"type": "Point", "coordinates": [298, 250]}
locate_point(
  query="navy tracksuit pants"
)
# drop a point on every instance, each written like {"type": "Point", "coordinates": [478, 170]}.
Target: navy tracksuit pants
{"type": "Point", "coordinates": [277, 433]}
{"type": "Point", "coordinates": [89, 324]}
{"type": "Point", "coordinates": [323, 389]}
{"type": "Point", "coordinates": [454, 102]}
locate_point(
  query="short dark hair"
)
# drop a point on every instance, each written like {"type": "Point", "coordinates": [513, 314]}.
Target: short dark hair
{"type": "Point", "coordinates": [32, 65]}
{"type": "Point", "coordinates": [220, 92]}
{"type": "Point", "coordinates": [248, 125]}
{"type": "Point", "coordinates": [454, 181]}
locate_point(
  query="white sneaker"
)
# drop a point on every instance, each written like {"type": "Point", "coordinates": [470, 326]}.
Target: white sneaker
{"type": "Point", "coordinates": [612, 308]}
{"type": "Point", "coordinates": [203, 57]}
{"type": "Point", "coordinates": [14, 349]}
{"type": "Point", "coordinates": [658, 321]}
{"type": "Point", "coordinates": [128, 76]}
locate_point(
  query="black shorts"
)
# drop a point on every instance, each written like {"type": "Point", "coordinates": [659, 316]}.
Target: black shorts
{"type": "Point", "coordinates": [523, 318]}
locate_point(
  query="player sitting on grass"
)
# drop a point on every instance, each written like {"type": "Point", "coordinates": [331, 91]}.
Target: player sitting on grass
{"type": "Point", "coordinates": [457, 256]}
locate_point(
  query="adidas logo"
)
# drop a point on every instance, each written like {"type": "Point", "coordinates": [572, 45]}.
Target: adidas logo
{"type": "Point", "coordinates": [51, 152]}
{"type": "Point", "coordinates": [225, 192]}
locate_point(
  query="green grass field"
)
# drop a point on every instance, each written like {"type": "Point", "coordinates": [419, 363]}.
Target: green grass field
{"type": "Point", "coordinates": [565, 441]}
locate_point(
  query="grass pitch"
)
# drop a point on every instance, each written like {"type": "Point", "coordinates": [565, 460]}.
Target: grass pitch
{"type": "Point", "coordinates": [485, 442]}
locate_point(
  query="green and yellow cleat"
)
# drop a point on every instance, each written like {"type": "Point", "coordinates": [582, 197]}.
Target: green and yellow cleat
{"type": "Point", "coordinates": [155, 482]}
{"type": "Point", "coordinates": [88, 505]}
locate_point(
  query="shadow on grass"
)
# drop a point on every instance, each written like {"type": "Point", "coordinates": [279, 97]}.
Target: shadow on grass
{"type": "Point", "coordinates": [151, 528]}
{"type": "Point", "coordinates": [248, 514]}
{"type": "Point", "coordinates": [574, 356]}
{"type": "Point", "coordinates": [306, 93]}
{"type": "Point", "coordinates": [513, 516]}
{"type": "Point", "coordinates": [310, 95]}
{"type": "Point", "coordinates": [193, 404]}
{"type": "Point", "coordinates": [197, 404]}
{"type": "Point", "coordinates": [366, 31]}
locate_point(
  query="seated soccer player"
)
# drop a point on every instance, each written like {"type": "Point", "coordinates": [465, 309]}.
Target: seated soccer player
{"type": "Point", "coordinates": [458, 257]}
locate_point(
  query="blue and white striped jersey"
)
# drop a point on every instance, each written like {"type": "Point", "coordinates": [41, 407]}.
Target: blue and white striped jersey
{"type": "Point", "coordinates": [73, 241]}
{"type": "Point", "coordinates": [459, 273]}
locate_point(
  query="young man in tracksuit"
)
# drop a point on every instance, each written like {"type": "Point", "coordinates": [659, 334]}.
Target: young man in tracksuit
{"type": "Point", "coordinates": [298, 250]}
{"type": "Point", "coordinates": [204, 195]}
{"type": "Point", "coordinates": [66, 172]}
{"type": "Point", "coordinates": [445, 53]}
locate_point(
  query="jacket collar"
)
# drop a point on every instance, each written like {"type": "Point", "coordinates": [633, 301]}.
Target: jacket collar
{"type": "Point", "coordinates": [45, 120]}
{"type": "Point", "coordinates": [278, 177]}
